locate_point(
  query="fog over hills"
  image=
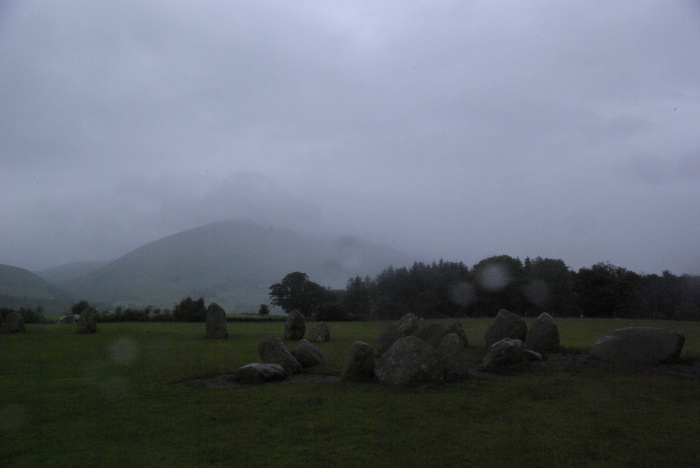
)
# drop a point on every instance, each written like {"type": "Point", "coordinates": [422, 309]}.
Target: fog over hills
{"type": "Point", "coordinates": [62, 274]}
{"type": "Point", "coordinates": [230, 262]}
{"type": "Point", "coordinates": [22, 288]}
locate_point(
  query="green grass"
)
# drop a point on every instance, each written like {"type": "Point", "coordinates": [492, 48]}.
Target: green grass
{"type": "Point", "coordinates": [118, 398]}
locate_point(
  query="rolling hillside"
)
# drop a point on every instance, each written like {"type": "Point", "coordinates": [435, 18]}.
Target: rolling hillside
{"type": "Point", "coordinates": [231, 262]}
{"type": "Point", "coordinates": [62, 274]}
{"type": "Point", "coordinates": [22, 288]}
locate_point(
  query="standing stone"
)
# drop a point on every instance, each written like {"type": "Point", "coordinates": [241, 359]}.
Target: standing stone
{"type": "Point", "coordinates": [359, 363]}
{"type": "Point", "coordinates": [13, 322]}
{"type": "Point", "coordinates": [87, 322]}
{"type": "Point", "coordinates": [319, 333]}
{"type": "Point", "coordinates": [258, 373]}
{"type": "Point", "coordinates": [503, 353]}
{"type": "Point", "coordinates": [409, 360]}
{"type": "Point", "coordinates": [453, 357]}
{"type": "Point", "coordinates": [639, 346]}
{"type": "Point", "coordinates": [272, 350]}
{"type": "Point", "coordinates": [216, 322]}
{"type": "Point", "coordinates": [295, 326]}
{"type": "Point", "coordinates": [406, 326]}
{"type": "Point", "coordinates": [308, 355]}
{"type": "Point", "coordinates": [458, 329]}
{"type": "Point", "coordinates": [433, 333]}
{"type": "Point", "coordinates": [507, 325]}
{"type": "Point", "coordinates": [543, 335]}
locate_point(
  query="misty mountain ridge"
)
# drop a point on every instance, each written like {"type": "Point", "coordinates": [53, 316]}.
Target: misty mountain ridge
{"type": "Point", "coordinates": [230, 262]}
{"type": "Point", "coordinates": [62, 274]}
{"type": "Point", "coordinates": [22, 288]}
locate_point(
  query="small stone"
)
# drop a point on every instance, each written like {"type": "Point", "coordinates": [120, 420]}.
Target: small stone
{"type": "Point", "coordinates": [506, 325]}
{"type": "Point", "coordinates": [87, 322]}
{"type": "Point", "coordinates": [295, 326]}
{"type": "Point", "coordinates": [543, 335]}
{"type": "Point", "coordinates": [359, 363]}
{"type": "Point", "coordinates": [258, 373]}
{"type": "Point", "coordinates": [503, 353]}
{"type": "Point", "coordinates": [307, 354]}
{"type": "Point", "coordinates": [216, 322]}
{"type": "Point", "coordinates": [319, 333]}
{"type": "Point", "coordinates": [13, 322]}
{"type": "Point", "coordinates": [272, 350]}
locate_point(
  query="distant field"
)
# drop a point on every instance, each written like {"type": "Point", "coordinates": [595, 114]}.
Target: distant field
{"type": "Point", "coordinates": [120, 397]}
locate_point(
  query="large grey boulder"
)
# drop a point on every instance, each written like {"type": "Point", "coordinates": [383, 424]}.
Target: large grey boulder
{"type": "Point", "coordinates": [295, 326]}
{"type": "Point", "coordinates": [87, 322]}
{"type": "Point", "coordinates": [307, 354]}
{"type": "Point", "coordinates": [408, 360]}
{"type": "Point", "coordinates": [319, 333]}
{"type": "Point", "coordinates": [432, 333]}
{"type": "Point", "coordinates": [12, 322]}
{"type": "Point", "coordinates": [406, 326]}
{"type": "Point", "coordinates": [216, 322]}
{"type": "Point", "coordinates": [543, 335]}
{"type": "Point", "coordinates": [639, 346]}
{"type": "Point", "coordinates": [359, 363]}
{"type": "Point", "coordinates": [506, 325]}
{"type": "Point", "coordinates": [272, 350]}
{"type": "Point", "coordinates": [453, 358]}
{"type": "Point", "coordinates": [503, 353]}
{"type": "Point", "coordinates": [258, 373]}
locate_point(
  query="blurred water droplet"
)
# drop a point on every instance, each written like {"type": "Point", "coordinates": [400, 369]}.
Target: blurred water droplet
{"type": "Point", "coordinates": [494, 277]}
{"type": "Point", "coordinates": [537, 291]}
{"type": "Point", "coordinates": [123, 351]}
{"type": "Point", "coordinates": [462, 293]}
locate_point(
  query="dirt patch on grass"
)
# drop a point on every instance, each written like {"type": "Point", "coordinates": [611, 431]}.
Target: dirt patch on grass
{"type": "Point", "coordinates": [223, 381]}
{"type": "Point", "coordinates": [685, 368]}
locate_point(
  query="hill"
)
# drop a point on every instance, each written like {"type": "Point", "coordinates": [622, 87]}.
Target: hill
{"type": "Point", "coordinates": [22, 288]}
{"type": "Point", "coordinates": [230, 262]}
{"type": "Point", "coordinates": [62, 274]}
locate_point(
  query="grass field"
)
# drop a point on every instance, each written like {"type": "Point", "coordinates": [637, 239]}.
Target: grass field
{"type": "Point", "coordinates": [120, 398]}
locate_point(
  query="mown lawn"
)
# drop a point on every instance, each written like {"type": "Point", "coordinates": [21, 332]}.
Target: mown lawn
{"type": "Point", "coordinates": [120, 398]}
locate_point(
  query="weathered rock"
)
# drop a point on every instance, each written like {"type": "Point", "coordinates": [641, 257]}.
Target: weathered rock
{"type": "Point", "coordinates": [12, 322]}
{"type": "Point", "coordinates": [307, 354]}
{"type": "Point", "coordinates": [87, 322]}
{"type": "Point", "coordinates": [258, 373]}
{"type": "Point", "coordinates": [272, 350]}
{"type": "Point", "coordinates": [543, 335]}
{"type": "Point", "coordinates": [68, 319]}
{"type": "Point", "coordinates": [502, 353]}
{"type": "Point", "coordinates": [216, 322]}
{"type": "Point", "coordinates": [458, 329]}
{"type": "Point", "coordinates": [359, 363]}
{"type": "Point", "coordinates": [406, 326]}
{"type": "Point", "coordinates": [295, 326]}
{"type": "Point", "coordinates": [506, 325]}
{"type": "Point", "coordinates": [409, 360]}
{"type": "Point", "coordinates": [432, 333]}
{"type": "Point", "coordinates": [531, 355]}
{"type": "Point", "coordinates": [639, 346]}
{"type": "Point", "coordinates": [319, 333]}
{"type": "Point", "coordinates": [453, 358]}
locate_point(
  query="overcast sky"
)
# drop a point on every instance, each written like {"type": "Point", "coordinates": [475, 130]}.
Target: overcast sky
{"type": "Point", "coordinates": [450, 129]}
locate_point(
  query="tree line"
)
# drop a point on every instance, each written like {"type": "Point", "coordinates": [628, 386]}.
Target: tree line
{"type": "Point", "coordinates": [529, 287]}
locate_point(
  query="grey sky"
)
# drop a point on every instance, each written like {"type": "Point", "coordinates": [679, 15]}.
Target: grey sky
{"type": "Point", "coordinates": [457, 129]}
